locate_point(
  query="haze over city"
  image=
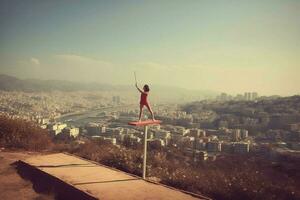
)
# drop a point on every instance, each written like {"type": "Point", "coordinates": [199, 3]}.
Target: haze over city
{"type": "Point", "coordinates": [225, 46]}
{"type": "Point", "coordinates": [136, 99]}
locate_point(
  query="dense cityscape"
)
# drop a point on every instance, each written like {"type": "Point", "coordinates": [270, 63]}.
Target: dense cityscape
{"type": "Point", "coordinates": [206, 147]}
{"type": "Point", "coordinates": [202, 130]}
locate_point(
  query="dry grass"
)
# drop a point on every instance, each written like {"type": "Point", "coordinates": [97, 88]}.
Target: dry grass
{"type": "Point", "coordinates": [21, 134]}
{"type": "Point", "coordinates": [230, 177]}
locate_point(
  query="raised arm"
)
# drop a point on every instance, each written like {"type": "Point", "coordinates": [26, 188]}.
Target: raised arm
{"type": "Point", "coordinates": [137, 87]}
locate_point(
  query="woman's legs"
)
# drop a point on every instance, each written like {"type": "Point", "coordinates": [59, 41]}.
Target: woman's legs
{"type": "Point", "coordinates": [150, 110]}
{"type": "Point", "coordinates": [141, 111]}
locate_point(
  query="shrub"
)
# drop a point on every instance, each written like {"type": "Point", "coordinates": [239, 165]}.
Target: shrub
{"type": "Point", "coordinates": [127, 160]}
{"type": "Point", "coordinates": [21, 134]}
{"type": "Point", "coordinates": [229, 177]}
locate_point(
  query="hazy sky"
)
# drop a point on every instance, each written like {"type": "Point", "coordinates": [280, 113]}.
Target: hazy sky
{"type": "Point", "coordinates": [221, 45]}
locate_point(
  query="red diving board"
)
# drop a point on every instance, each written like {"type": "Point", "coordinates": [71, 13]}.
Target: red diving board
{"type": "Point", "coordinates": [144, 123]}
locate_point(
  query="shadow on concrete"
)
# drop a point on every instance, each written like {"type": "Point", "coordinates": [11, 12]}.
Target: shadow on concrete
{"type": "Point", "coordinates": [112, 181]}
{"type": "Point", "coordinates": [47, 184]}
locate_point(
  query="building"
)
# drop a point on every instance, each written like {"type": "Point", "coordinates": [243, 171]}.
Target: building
{"type": "Point", "coordinates": [162, 134]}
{"type": "Point", "coordinates": [223, 97]}
{"type": "Point", "coordinates": [206, 139]}
{"type": "Point", "coordinates": [116, 99]}
{"type": "Point", "coordinates": [103, 129]}
{"type": "Point", "coordinates": [254, 95]}
{"type": "Point", "coordinates": [196, 132]}
{"type": "Point", "coordinates": [295, 146]}
{"type": "Point", "coordinates": [155, 143]}
{"type": "Point", "coordinates": [293, 127]}
{"type": "Point", "coordinates": [244, 134]}
{"type": "Point", "coordinates": [72, 132]}
{"type": "Point", "coordinates": [176, 137]}
{"type": "Point", "coordinates": [213, 146]}
{"type": "Point", "coordinates": [250, 96]}
{"type": "Point", "coordinates": [43, 120]}
{"type": "Point", "coordinates": [222, 124]}
{"type": "Point", "coordinates": [56, 128]}
{"type": "Point", "coordinates": [247, 96]}
{"type": "Point", "coordinates": [227, 147]}
{"type": "Point", "coordinates": [235, 135]}
{"type": "Point", "coordinates": [199, 144]}
{"type": "Point", "coordinates": [241, 147]}
{"type": "Point", "coordinates": [224, 138]}
{"type": "Point", "coordinates": [239, 97]}
{"type": "Point", "coordinates": [111, 140]}
{"type": "Point", "coordinates": [131, 140]}
{"type": "Point", "coordinates": [112, 131]}
{"type": "Point", "coordinates": [94, 129]}
{"type": "Point", "coordinates": [203, 155]}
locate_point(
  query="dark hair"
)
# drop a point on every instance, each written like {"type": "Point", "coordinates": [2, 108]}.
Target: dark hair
{"type": "Point", "coordinates": [146, 88]}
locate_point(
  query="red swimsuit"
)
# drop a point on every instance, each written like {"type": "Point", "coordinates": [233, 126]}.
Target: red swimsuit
{"type": "Point", "coordinates": [143, 100]}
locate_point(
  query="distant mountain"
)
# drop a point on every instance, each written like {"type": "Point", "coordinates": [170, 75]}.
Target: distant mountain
{"type": "Point", "coordinates": [10, 83]}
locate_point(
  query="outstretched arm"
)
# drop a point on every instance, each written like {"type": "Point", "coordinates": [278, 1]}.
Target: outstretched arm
{"type": "Point", "coordinates": [137, 87]}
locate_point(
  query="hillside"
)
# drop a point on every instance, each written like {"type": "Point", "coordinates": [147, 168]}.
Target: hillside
{"type": "Point", "coordinates": [10, 83]}
{"type": "Point", "coordinates": [163, 93]}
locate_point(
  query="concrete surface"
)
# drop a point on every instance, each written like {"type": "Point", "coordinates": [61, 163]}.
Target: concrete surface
{"type": "Point", "coordinates": [102, 182]}
{"type": "Point", "coordinates": [12, 185]}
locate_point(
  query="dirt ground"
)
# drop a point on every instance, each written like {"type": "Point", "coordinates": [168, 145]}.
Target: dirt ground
{"type": "Point", "coordinates": [12, 186]}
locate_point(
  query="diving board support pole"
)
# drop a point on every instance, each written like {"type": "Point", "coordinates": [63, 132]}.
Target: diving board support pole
{"type": "Point", "coordinates": [145, 152]}
{"type": "Point", "coordinates": [145, 124]}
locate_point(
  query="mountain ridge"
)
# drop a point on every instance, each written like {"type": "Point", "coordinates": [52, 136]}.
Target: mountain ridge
{"type": "Point", "coordinates": [12, 83]}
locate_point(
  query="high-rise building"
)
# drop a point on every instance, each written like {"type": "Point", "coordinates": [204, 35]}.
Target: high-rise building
{"type": "Point", "coordinates": [248, 96]}
{"type": "Point", "coordinates": [254, 95]}
{"type": "Point", "coordinates": [116, 99]}
{"type": "Point", "coordinates": [245, 95]}
{"type": "Point", "coordinates": [223, 97]}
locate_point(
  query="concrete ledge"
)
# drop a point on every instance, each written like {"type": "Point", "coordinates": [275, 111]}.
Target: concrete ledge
{"type": "Point", "coordinates": [46, 183]}
{"type": "Point", "coordinates": [71, 177]}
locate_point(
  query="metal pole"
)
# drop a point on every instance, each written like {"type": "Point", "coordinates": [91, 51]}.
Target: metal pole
{"type": "Point", "coordinates": [135, 78]}
{"type": "Point", "coordinates": [145, 152]}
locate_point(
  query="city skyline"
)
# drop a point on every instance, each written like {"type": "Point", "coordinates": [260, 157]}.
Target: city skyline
{"type": "Point", "coordinates": [225, 46]}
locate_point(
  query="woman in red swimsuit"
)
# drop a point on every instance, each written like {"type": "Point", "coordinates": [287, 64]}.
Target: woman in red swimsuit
{"type": "Point", "coordinates": [144, 101]}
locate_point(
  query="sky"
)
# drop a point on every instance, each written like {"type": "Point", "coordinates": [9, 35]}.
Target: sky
{"type": "Point", "coordinates": [221, 45]}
